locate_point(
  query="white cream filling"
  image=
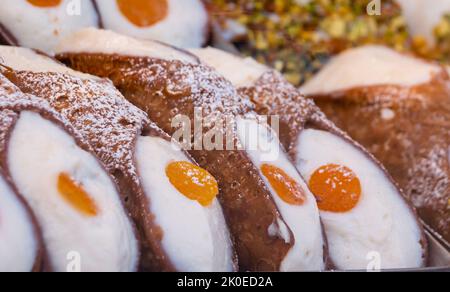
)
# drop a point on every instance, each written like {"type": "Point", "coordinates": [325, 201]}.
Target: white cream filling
{"type": "Point", "coordinates": [240, 71]}
{"type": "Point", "coordinates": [263, 146]}
{"type": "Point", "coordinates": [279, 229]}
{"type": "Point", "coordinates": [368, 66]}
{"type": "Point", "coordinates": [381, 222]}
{"type": "Point", "coordinates": [423, 16]}
{"type": "Point", "coordinates": [92, 40]}
{"type": "Point", "coordinates": [195, 238]}
{"type": "Point", "coordinates": [39, 151]}
{"type": "Point", "coordinates": [23, 59]}
{"type": "Point", "coordinates": [42, 28]}
{"type": "Point", "coordinates": [18, 245]}
{"type": "Point", "coordinates": [184, 26]}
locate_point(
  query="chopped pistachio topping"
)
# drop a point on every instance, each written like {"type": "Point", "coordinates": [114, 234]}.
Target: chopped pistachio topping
{"type": "Point", "coordinates": [297, 37]}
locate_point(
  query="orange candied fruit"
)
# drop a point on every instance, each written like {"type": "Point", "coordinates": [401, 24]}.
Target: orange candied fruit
{"type": "Point", "coordinates": [76, 196]}
{"type": "Point", "coordinates": [45, 3]}
{"type": "Point", "coordinates": [336, 188]}
{"type": "Point", "coordinates": [144, 13]}
{"type": "Point", "coordinates": [285, 186]}
{"type": "Point", "coordinates": [193, 182]}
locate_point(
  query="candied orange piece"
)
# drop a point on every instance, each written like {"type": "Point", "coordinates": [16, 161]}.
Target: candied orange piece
{"type": "Point", "coordinates": [76, 196]}
{"type": "Point", "coordinates": [285, 186]}
{"type": "Point", "coordinates": [336, 187]}
{"type": "Point", "coordinates": [45, 3]}
{"type": "Point", "coordinates": [193, 182]}
{"type": "Point", "coordinates": [143, 13]}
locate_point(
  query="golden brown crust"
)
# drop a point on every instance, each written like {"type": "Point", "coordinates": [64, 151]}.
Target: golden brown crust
{"type": "Point", "coordinates": [165, 89]}
{"type": "Point", "coordinates": [273, 95]}
{"type": "Point", "coordinates": [111, 126]}
{"type": "Point", "coordinates": [408, 129]}
{"type": "Point", "coordinates": [12, 102]}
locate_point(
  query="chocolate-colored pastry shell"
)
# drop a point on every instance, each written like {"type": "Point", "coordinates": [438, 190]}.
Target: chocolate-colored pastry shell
{"type": "Point", "coordinates": [165, 89]}
{"type": "Point", "coordinates": [408, 130]}
{"type": "Point", "coordinates": [110, 125]}
{"type": "Point", "coordinates": [273, 95]}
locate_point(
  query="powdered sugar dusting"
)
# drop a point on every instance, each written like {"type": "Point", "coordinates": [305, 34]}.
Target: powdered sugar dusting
{"type": "Point", "coordinates": [274, 95]}
{"type": "Point", "coordinates": [11, 97]}
{"type": "Point", "coordinates": [12, 100]}
{"type": "Point", "coordinates": [430, 185]}
{"type": "Point", "coordinates": [435, 171]}
{"type": "Point", "coordinates": [197, 84]}
{"type": "Point", "coordinates": [7, 118]}
{"type": "Point", "coordinates": [97, 110]}
{"type": "Point", "coordinates": [164, 88]}
{"type": "Point", "coordinates": [412, 140]}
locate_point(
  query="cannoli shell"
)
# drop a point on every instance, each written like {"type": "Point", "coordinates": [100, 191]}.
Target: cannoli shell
{"type": "Point", "coordinates": [165, 89]}
{"type": "Point", "coordinates": [111, 125]}
{"type": "Point", "coordinates": [12, 102]}
{"type": "Point", "coordinates": [408, 130]}
{"type": "Point", "coordinates": [273, 95]}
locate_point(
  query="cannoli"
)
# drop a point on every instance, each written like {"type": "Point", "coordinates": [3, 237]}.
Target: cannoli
{"type": "Point", "coordinates": [40, 24]}
{"type": "Point", "coordinates": [362, 209]}
{"type": "Point", "coordinates": [172, 200]}
{"type": "Point", "coordinates": [271, 213]}
{"type": "Point", "coordinates": [182, 23]}
{"type": "Point", "coordinates": [399, 108]}
{"type": "Point", "coordinates": [21, 245]}
{"type": "Point", "coordinates": [83, 222]}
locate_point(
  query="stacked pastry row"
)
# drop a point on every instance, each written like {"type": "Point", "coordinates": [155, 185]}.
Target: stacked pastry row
{"type": "Point", "coordinates": [395, 105]}
{"type": "Point", "coordinates": [398, 107]}
{"type": "Point", "coordinates": [89, 164]}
